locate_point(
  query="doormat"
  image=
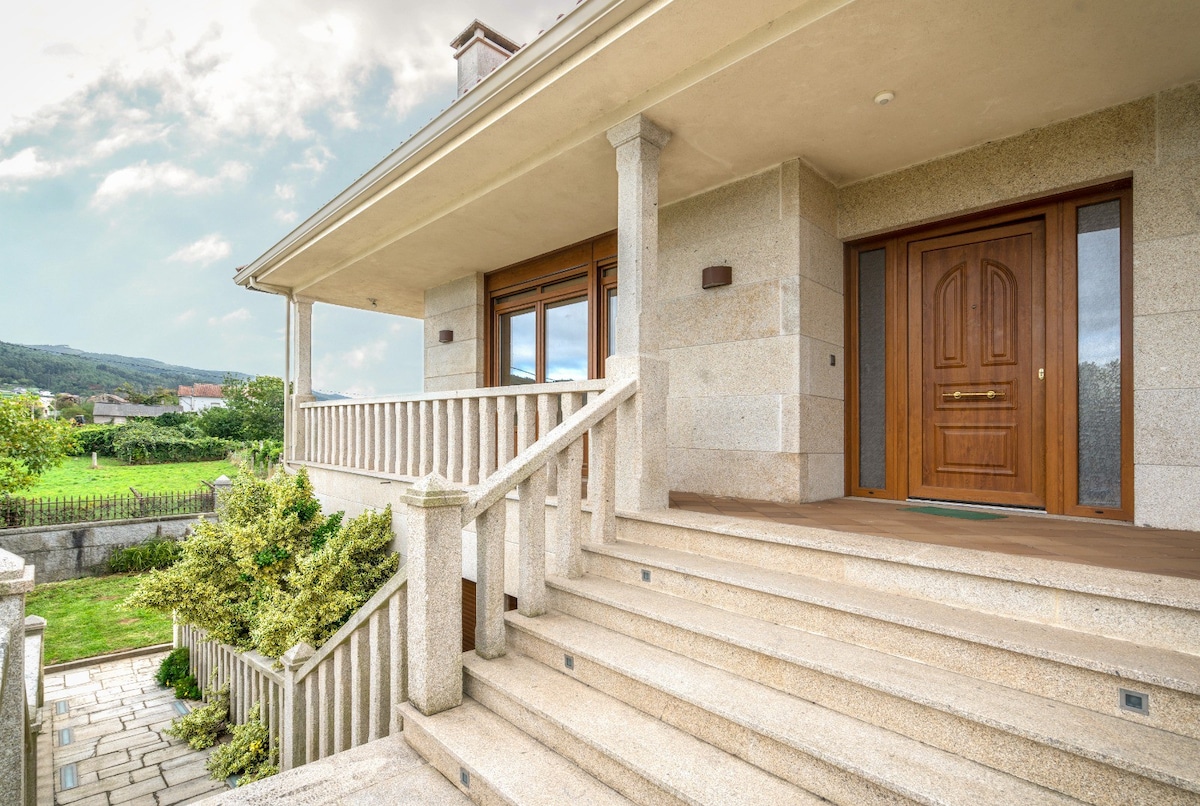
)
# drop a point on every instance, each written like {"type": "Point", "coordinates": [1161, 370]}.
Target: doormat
{"type": "Point", "coordinates": [965, 514]}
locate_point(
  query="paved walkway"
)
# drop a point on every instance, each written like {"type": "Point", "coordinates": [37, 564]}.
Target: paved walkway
{"type": "Point", "coordinates": [106, 723]}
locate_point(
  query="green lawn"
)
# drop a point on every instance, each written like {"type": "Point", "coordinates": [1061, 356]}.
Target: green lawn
{"type": "Point", "coordinates": [75, 477]}
{"type": "Point", "coordinates": [85, 617]}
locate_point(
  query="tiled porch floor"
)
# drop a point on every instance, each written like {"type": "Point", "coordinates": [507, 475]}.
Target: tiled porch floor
{"type": "Point", "coordinates": [1102, 543]}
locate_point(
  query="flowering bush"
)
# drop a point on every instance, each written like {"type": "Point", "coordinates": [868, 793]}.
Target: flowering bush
{"type": "Point", "coordinates": [250, 754]}
{"type": "Point", "coordinates": [202, 727]}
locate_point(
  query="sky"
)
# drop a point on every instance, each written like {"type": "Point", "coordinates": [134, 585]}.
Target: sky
{"type": "Point", "coordinates": [148, 149]}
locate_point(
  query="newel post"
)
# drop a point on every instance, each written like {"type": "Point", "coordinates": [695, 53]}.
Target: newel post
{"type": "Point", "coordinates": [434, 512]}
{"type": "Point", "coordinates": [292, 730]}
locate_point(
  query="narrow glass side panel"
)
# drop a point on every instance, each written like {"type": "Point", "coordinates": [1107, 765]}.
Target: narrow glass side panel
{"type": "Point", "coordinates": [567, 341]}
{"type": "Point", "coordinates": [518, 348]}
{"type": "Point", "coordinates": [612, 321]}
{"type": "Point", "coordinates": [872, 359]}
{"type": "Point", "coordinates": [1098, 246]}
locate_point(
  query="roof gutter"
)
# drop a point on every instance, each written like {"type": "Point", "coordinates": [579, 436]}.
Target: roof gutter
{"type": "Point", "coordinates": [543, 54]}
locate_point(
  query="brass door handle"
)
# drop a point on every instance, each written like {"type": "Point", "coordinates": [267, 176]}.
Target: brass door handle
{"type": "Point", "coordinates": [990, 394]}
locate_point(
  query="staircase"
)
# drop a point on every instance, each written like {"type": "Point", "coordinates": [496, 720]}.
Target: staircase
{"type": "Point", "coordinates": [702, 661]}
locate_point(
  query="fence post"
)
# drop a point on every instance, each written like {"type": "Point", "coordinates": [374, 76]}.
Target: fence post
{"type": "Point", "coordinates": [434, 512]}
{"type": "Point", "coordinates": [292, 731]}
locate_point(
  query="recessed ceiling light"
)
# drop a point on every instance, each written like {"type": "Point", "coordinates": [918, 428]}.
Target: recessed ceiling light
{"type": "Point", "coordinates": [884, 98]}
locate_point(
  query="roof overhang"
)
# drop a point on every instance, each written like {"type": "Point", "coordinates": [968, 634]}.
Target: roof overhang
{"type": "Point", "coordinates": [520, 165]}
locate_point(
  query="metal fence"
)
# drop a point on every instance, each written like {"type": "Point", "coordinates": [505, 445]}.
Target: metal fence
{"type": "Point", "coordinates": [16, 513]}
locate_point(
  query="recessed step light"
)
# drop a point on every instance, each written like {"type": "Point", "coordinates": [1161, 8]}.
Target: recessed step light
{"type": "Point", "coordinates": [180, 708]}
{"type": "Point", "coordinates": [68, 777]}
{"type": "Point", "coordinates": [62, 707]}
{"type": "Point", "coordinates": [568, 661]}
{"type": "Point", "coordinates": [65, 737]}
{"type": "Point", "coordinates": [1134, 701]}
{"type": "Point", "coordinates": [645, 575]}
{"type": "Point", "coordinates": [464, 777]}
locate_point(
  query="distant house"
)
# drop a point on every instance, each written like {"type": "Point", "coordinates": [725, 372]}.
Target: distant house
{"type": "Point", "coordinates": [118, 413]}
{"type": "Point", "coordinates": [201, 396]}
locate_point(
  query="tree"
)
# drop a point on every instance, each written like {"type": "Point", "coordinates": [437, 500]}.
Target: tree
{"type": "Point", "coordinates": [259, 404]}
{"type": "Point", "coordinates": [28, 446]}
{"type": "Point", "coordinates": [155, 397]}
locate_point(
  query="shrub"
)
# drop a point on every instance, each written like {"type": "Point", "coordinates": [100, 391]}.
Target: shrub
{"type": "Point", "coordinates": [157, 552]}
{"type": "Point", "coordinates": [96, 439]}
{"type": "Point", "coordinates": [273, 570]}
{"type": "Point", "coordinates": [202, 727]}
{"type": "Point", "coordinates": [250, 755]}
{"type": "Point", "coordinates": [145, 443]}
{"type": "Point", "coordinates": [174, 672]}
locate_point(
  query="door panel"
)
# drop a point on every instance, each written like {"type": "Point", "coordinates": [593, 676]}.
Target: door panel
{"type": "Point", "coordinates": [977, 325]}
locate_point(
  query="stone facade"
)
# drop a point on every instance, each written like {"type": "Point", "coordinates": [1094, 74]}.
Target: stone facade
{"type": "Point", "coordinates": [457, 306]}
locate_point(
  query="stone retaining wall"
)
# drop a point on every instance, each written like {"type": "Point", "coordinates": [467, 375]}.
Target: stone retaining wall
{"type": "Point", "coordinates": [78, 550]}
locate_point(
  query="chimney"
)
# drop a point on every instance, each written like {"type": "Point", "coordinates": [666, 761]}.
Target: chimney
{"type": "Point", "coordinates": [479, 50]}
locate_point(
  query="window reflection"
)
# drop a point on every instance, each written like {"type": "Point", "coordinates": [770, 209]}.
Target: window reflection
{"type": "Point", "coordinates": [567, 341]}
{"type": "Point", "coordinates": [518, 348]}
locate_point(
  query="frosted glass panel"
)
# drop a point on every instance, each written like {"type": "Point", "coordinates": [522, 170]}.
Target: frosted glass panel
{"type": "Point", "coordinates": [872, 388]}
{"type": "Point", "coordinates": [1098, 242]}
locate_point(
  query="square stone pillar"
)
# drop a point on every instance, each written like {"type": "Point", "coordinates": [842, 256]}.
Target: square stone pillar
{"type": "Point", "coordinates": [434, 514]}
{"type": "Point", "coordinates": [16, 580]}
{"type": "Point", "coordinates": [302, 392]}
{"type": "Point", "coordinates": [641, 428]}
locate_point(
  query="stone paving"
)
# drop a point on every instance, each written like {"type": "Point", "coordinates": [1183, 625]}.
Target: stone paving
{"type": "Point", "coordinates": [108, 738]}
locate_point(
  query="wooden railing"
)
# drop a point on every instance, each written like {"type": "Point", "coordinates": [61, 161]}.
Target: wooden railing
{"type": "Point", "coordinates": [318, 702]}
{"type": "Point", "coordinates": [462, 436]}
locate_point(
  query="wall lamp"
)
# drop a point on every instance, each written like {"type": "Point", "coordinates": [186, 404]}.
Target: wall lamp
{"type": "Point", "coordinates": [716, 276]}
{"type": "Point", "coordinates": [445, 336]}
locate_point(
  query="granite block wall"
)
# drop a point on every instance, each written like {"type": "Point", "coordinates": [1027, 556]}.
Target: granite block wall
{"type": "Point", "coordinates": [458, 306]}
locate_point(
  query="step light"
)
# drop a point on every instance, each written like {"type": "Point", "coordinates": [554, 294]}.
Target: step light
{"type": "Point", "coordinates": [464, 777]}
{"type": "Point", "coordinates": [645, 575]}
{"type": "Point", "coordinates": [569, 662]}
{"type": "Point", "coordinates": [65, 737]}
{"type": "Point", "coordinates": [62, 707]}
{"type": "Point", "coordinates": [1134, 701]}
{"type": "Point", "coordinates": [180, 707]}
{"type": "Point", "coordinates": [68, 777]}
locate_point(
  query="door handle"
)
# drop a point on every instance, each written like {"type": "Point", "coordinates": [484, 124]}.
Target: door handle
{"type": "Point", "coordinates": [990, 394]}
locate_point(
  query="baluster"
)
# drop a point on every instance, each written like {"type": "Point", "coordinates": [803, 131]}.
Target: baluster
{"type": "Point", "coordinates": [602, 480]}
{"type": "Point", "coordinates": [487, 437]}
{"type": "Point", "coordinates": [454, 439]}
{"type": "Point", "coordinates": [440, 437]}
{"type": "Point", "coordinates": [341, 699]}
{"type": "Point", "coordinates": [398, 669]}
{"type": "Point", "coordinates": [531, 590]}
{"type": "Point", "coordinates": [324, 700]}
{"type": "Point", "coordinates": [412, 439]}
{"type": "Point", "coordinates": [247, 693]}
{"type": "Point", "coordinates": [426, 466]}
{"type": "Point", "coordinates": [312, 717]}
{"type": "Point", "coordinates": [526, 421]}
{"type": "Point", "coordinates": [506, 412]}
{"type": "Point", "coordinates": [389, 437]}
{"type": "Point", "coordinates": [379, 449]}
{"type": "Point", "coordinates": [547, 420]}
{"type": "Point", "coordinates": [568, 553]}
{"type": "Point", "coordinates": [306, 421]}
{"type": "Point", "coordinates": [379, 700]}
{"type": "Point", "coordinates": [339, 457]}
{"type": "Point", "coordinates": [470, 440]}
{"type": "Point", "coordinates": [364, 435]}
{"type": "Point", "coordinates": [330, 435]}
{"type": "Point", "coordinates": [360, 435]}
{"type": "Point", "coordinates": [489, 586]}
{"type": "Point", "coordinates": [360, 685]}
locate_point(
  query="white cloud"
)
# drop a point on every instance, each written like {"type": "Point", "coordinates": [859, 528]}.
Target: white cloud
{"type": "Point", "coordinates": [286, 216]}
{"type": "Point", "coordinates": [185, 317]}
{"type": "Point", "coordinates": [208, 249]}
{"type": "Point", "coordinates": [27, 165]}
{"type": "Point", "coordinates": [285, 192]}
{"type": "Point", "coordinates": [147, 178]}
{"type": "Point", "coordinates": [233, 317]}
{"type": "Point", "coordinates": [315, 159]}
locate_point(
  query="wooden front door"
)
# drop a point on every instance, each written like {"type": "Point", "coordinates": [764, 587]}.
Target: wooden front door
{"type": "Point", "coordinates": [976, 345]}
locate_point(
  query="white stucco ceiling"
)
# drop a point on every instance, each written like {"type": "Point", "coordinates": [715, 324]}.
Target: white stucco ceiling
{"type": "Point", "coordinates": [520, 165]}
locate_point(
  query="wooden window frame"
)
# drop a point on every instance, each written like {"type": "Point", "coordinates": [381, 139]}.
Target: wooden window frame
{"type": "Point", "coordinates": [586, 261]}
{"type": "Point", "coordinates": [1061, 334]}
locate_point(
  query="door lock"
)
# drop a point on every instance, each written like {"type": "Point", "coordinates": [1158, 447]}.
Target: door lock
{"type": "Point", "coordinates": [1042, 374]}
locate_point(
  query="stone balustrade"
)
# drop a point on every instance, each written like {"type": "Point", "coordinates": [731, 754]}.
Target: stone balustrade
{"type": "Point", "coordinates": [319, 702]}
{"type": "Point", "coordinates": [20, 684]}
{"type": "Point", "coordinates": [462, 436]}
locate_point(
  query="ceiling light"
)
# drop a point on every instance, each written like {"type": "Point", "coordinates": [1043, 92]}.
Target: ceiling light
{"type": "Point", "coordinates": [884, 98]}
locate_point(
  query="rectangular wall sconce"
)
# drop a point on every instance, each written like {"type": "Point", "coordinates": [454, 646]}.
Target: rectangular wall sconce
{"type": "Point", "coordinates": [445, 336]}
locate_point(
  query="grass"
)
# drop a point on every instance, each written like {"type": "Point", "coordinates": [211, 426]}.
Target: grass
{"type": "Point", "coordinates": [75, 477]}
{"type": "Point", "coordinates": [86, 617]}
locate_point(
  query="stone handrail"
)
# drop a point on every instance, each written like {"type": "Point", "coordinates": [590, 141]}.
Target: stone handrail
{"type": "Point", "coordinates": [463, 436]}
{"type": "Point", "coordinates": [437, 511]}
{"type": "Point", "coordinates": [322, 701]}
{"type": "Point", "coordinates": [20, 684]}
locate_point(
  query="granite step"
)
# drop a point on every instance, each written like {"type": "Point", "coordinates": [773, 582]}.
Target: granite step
{"type": "Point", "coordinates": [493, 762]}
{"type": "Point", "coordinates": [644, 758]}
{"type": "Point", "coordinates": [1146, 609]}
{"type": "Point", "coordinates": [685, 648]}
{"type": "Point", "coordinates": [1077, 668]}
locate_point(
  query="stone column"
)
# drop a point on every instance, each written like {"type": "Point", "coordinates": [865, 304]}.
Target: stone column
{"type": "Point", "coordinates": [16, 579]}
{"type": "Point", "coordinates": [303, 390]}
{"type": "Point", "coordinates": [641, 421]}
{"type": "Point", "coordinates": [293, 730]}
{"type": "Point", "coordinates": [434, 594]}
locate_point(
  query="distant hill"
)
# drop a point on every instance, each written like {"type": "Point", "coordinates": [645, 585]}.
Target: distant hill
{"type": "Point", "coordinates": [59, 368]}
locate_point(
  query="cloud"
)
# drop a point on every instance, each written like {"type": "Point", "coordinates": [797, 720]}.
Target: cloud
{"type": "Point", "coordinates": [27, 165]}
{"type": "Point", "coordinates": [233, 317]}
{"type": "Point", "coordinates": [147, 178]}
{"type": "Point", "coordinates": [208, 249]}
{"type": "Point", "coordinates": [185, 317]}
{"type": "Point", "coordinates": [286, 216]}
{"type": "Point", "coordinates": [314, 160]}
{"type": "Point", "coordinates": [285, 192]}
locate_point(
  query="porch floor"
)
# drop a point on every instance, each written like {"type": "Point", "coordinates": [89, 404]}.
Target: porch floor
{"type": "Point", "coordinates": [1102, 543]}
